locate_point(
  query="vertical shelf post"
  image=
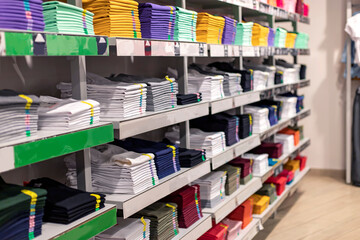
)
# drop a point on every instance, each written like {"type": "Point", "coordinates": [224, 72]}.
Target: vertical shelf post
{"type": "Point", "coordinates": [238, 16]}
{"type": "Point", "coordinates": [183, 89]}
{"type": "Point", "coordinates": [79, 91]}
{"type": "Point", "coordinates": [348, 110]}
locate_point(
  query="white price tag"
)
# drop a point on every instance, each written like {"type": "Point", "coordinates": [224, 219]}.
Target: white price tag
{"type": "Point", "coordinates": [130, 47]}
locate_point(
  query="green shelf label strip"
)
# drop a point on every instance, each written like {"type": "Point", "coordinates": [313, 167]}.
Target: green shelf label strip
{"type": "Point", "coordinates": [92, 227]}
{"type": "Point", "coordinates": [45, 44]}
{"type": "Point", "coordinates": [29, 153]}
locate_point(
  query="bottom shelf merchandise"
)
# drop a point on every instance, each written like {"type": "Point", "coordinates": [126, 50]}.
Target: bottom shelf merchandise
{"type": "Point", "coordinates": [44, 206]}
{"type": "Point", "coordinates": [246, 220]}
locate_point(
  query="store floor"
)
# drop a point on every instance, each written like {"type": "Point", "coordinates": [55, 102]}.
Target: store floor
{"type": "Point", "coordinates": [323, 207]}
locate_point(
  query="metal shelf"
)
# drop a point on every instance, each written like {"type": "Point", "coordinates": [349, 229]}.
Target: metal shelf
{"type": "Point", "coordinates": [251, 230]}
{"type": "Point", "coordinates": [229, 203]}
{"type": "Point", "coordinates": [131, 204]}
{"type": "Point", "coordinates": [166, 48]}
{"type": "Point", "coordinates": [284, 158]}
{"type": "Point", "coordinates": [25, 43]}
{"type": "Point", "coordinates": [287, 192]}
{"type": "Point", "coordinates": [49, 144]}
{"type": "Point", "coordinates": [235, 150]}
{"type": "Point", "coordinates": [82, 229]}
{"type": "Point", "coordinates": [151, 121]}
{"type": "Point", "coordinates": [196, 230]}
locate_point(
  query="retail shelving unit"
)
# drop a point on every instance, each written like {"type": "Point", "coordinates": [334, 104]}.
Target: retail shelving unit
{"type": "Point", "coordinates": [48, 145]}
{"type": "Point", "coordinates": [196, 230]}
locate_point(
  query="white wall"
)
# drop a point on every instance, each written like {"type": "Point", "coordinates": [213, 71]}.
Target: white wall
{"type": "Point", "coordinates": [326, 96]}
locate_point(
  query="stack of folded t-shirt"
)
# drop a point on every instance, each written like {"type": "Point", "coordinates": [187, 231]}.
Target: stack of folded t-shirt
{"type": "Point", "coordinates": [260, 78]}
{"type": "Point", "coordinates": [21, 15]}
{"type": "Point", "coordinates": [184, 99]}
{"type": "Point", "coordinates": [268, 190]}
{"type": "Point", "coordinates": [212, 188]}
{"type": "Point", "coordinates": [291, 72]}
{"type": "Point", "coordinates": [271, 37]}
{"type": "Point", "coordinates": [66, 18]}
{"type": "Point", "coordinates": [302, 41]}
{"type": "Point", "coordinates": [275, 104]}
{"type": "Point", "coordinates": [260, 163]}
{"type": "Point", "coordinates": [274, 150]}
{"type": "Point", "coordinates": [260, 117]}
{"type": "Point", "coordinates": [115, 18]}
{"type": "Point", "coordinates": [127, 229]}
{"type": "Point", "coordinates": [22, 211]}
{"type": "Point", "coordinates": [188, 202]}
{"type": "Point", "coordinates": [290, 40]}
{"type": "Point", "coordinates": [295, 133]}
{"type": "Point", "coordinates": [163, 220]}
{"type": "Point", "coordinates": [273, 114]}
{"type": "Point", "coordinates": [245, 125]}
{"type": "Point", "coordinates": [190, 157]}
{"type": "Point", "coordinates": [234, 228]}
{"type": "Point", "coordinates": [300, 100]}
{"type": "Point", "coordinates": [246, 76]}
{"type": "Point", "coordinates": [271, 70]}
{"type": "Point", "coordinates": [260, 35]}
{"type": "Point", "coordinates": [288, 106]}
{"type": "Point", "coordinates": [221, 122]}
{"type": "Point", "coordinates": [157, 22]}
{"type": "Point", "coordinates": [217, 232]}
{"type": "Point", "coordinates": [210, 86]}
{"type": "Point", "coordinates": [244, 33]}
{"type": "Point", "coordinates": [209, 28]}
{"type": "Point", "coordinates": [280, 37]}
{"type": "Point", "coordinates": [243, 213]}
{"type": "Point", "coordinates": [117, 99]}
{"type": "Point", "coordinates": [19, 115]}
{"type": "Point", "coordinates": [229, 33]}
{"type": "Point", "coordinates": [58, 114]}
{"type": "Point", "coordinates": [232, 178]}
{"type": "Point", "coordinates": [65, 204]}
{"type": "Point", "coordinates": [166, 156]}
{"type": "Point", "coordinates": [185, 25]}
{"type": "Point", "coordinates": [231, 82]}
{"type": "Point", "coordinates": [246, 168]}
{"type": "Point", "coordinates": [261, 202]}
{"type": "Point", "coordinates": [115, 170]}
{"type": "Point", "coordinates": [287, 141]}
{"type": "Point", "coordinates": [161, 92]}
{"type": "Point", "coordinates": [212, 142]}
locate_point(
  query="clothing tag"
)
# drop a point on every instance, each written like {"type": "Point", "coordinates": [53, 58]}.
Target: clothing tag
{"type": "Point", "coordinates": [174, 156]}
{"type": "Point", "coordinates": [91, 112]}
{"type": "Point", "coordinates": [197, 201]}
{"type": "Point", "coordinates": [134, 23]}
{"type": "Point", "coordinates": [173, 218]}
{"type": "Point", "coordinates": [238, 178]}
{"type": "Point", "coordinates": [151, 169]}
{"type": "Point", "coordinates": [29, 101]}
{"type": "Point", "coordinates": [32, 211]}
{"type": "Point", "coordinates": [98, 201]}
{"type": "Point", "coordinates": [221, 184]}
{"type": "Point", "coordinates": [172, 91]}
{"type": "Point", "coordinates": [141, 96]}
{"type": "Point", "coordinates": [144, 229]}
{"type": "Point", "coordinates": [170, 22]}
